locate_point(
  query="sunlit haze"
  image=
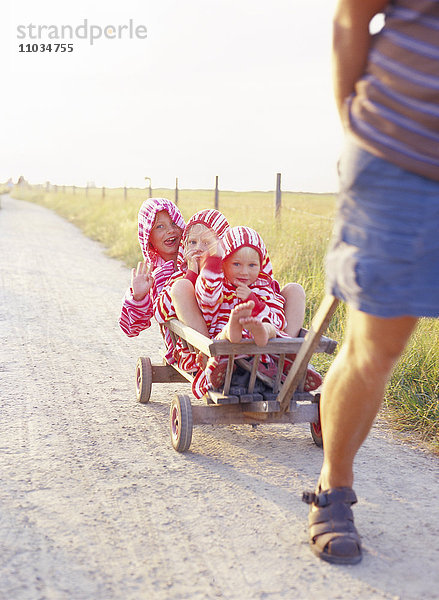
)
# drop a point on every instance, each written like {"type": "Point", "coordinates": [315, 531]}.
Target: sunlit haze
{"type": "Point", "coordinates": [239, 89]}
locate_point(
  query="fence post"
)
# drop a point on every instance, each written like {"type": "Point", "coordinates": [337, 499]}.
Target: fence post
{"type": "Point", "coordinates": [216, 192]}
{"type": "Point", "coordinates": [278, 198]}
{"type": "Point", "coordinates": [103, 192]}
{"type": "Point", "coordinates": [125, 192]}
{"type": "Point", "coordinates": [176, 191]}
{"type": "Point", "coordinates": [148, 181]}
{"type": "Point", "coordinates": [86, 191]}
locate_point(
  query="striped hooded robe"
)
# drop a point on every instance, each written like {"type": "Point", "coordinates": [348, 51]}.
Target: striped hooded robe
{"type": "Point", "coordinates": [216, 296]}
{"type": "Point", "coordinates": [136, 315]}
{"type": "Point", "coordinates": [163, 306]}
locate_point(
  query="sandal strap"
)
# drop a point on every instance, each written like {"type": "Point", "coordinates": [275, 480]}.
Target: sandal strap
{"type": "Point", "coordinates": [332, 533]}
{"type": "Point", "coordinates": [329, 496]}
{"type": "Point", "coordinates": [336, 517]}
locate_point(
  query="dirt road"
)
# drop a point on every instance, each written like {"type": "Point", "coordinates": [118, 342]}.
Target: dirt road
{"type": "Point", "coordinates": [94, 502]}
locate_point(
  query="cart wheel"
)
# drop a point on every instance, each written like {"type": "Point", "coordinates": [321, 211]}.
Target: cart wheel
{"type": "Point", "coordinates": [143, 379]}
{"type": "Point", "coordinates": [316, 431]}
{"type": "Point", "coordinates": [181, 422]}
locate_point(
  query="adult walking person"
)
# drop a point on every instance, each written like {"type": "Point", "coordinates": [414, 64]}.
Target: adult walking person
{"type": "Point", "coordinates": [384, 257]}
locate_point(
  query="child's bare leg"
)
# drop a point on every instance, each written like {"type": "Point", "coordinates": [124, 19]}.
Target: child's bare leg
{"type": "Point", "coordinates": [260, 331]}
{"type": "Point", "coordinates": [186, 307]}
{"type": "Point", "coordinates": [233, 330]}
{"type": "Point", "coordinates": [294, 295]}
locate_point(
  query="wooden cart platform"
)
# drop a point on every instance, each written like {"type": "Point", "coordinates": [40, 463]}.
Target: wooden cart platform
{"type": "Point", "coordinates": [247, 395]}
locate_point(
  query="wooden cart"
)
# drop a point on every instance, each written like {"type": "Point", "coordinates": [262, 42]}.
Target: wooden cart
{"type": "Point", "coordinates": [262, 399]}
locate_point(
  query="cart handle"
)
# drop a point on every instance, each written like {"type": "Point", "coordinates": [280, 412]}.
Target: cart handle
{"type": "Point", "coordinates": [319, 324]}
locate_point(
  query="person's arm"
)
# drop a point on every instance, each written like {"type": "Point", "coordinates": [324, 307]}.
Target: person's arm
{"type": "Point", "coordinates": [209, 285]}
{"type": "Point", "coordinates": [350, 45]}
{"type": "Point", "coordinates": [192, 276]}
{"type": "Point", "coordinates": [245, 294]}
{"type": "Point", "coordinates": [141, 281]}
{"type": "Point", "coordinates": [270, 307]}
{"type": "Point", "coordinates": [135, 315]}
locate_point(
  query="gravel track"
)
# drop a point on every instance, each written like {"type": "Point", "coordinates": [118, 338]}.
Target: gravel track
{"type": "Point", "coordinates": [95, 503]}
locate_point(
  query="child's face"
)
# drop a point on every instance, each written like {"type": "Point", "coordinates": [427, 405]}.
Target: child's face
{"type": "Point", "coordinates": [198, 241]}
{"type": "Point", "coordinates": [243, 266]}
{"type": "Point", "coordinates": [165, 235]}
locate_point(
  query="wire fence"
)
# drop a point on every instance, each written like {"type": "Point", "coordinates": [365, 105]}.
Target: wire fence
{"type": "Point", "coordinates": [125, 192]}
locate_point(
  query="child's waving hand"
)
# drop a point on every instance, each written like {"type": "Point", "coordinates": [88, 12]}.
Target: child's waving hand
{"type": "Point", "coordinates": [141, 280]}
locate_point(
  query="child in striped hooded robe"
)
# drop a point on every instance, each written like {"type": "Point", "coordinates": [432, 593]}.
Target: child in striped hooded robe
{"type": "Point", "coordinates": [160, 227]}
{"type": "Point", "coordinates": [239, 298]}
{"type": "Point", "coordinates": [177, 299]}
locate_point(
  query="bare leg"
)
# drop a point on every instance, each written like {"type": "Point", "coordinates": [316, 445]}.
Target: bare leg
{"type": "Point", "coordinates": [233, 330]}
{"type": "Point", "coordinates": [260, 331]}
{"type": "Point", "coordinates": [354, 388]}
{"type": "Point", "coordinates": [294, 295]}
{"type": "Point", "coordinates": [186, 307]}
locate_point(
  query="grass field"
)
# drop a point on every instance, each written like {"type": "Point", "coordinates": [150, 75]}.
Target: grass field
{"type": "Point", "coordinates": [297, 244]}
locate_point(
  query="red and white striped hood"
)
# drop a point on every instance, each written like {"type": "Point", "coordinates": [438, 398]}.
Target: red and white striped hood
{"type": "Point", "coordinates": [209, 217]}
{"type": "Point", "coordinates": [146, 217]}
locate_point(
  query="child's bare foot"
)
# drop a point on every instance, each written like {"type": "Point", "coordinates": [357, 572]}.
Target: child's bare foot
{"type": "Point", "coordinates": [234, 327]}
{"type": "Point", "coordinates": [256, 328]}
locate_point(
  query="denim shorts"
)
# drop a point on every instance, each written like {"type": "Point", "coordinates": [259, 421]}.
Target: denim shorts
{"type": "Point", "coordinates": [384, 255]}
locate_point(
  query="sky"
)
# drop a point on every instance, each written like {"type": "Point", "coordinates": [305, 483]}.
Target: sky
{"type": "Point", "coordinates": [235, 89]}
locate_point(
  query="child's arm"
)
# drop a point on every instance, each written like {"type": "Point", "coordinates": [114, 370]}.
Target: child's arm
{"type": "Point", "coordinates": [209, 285]}
{"type": "Point", "coordinates": [192, 256]}
{"type": "Point", "coordinates": [135, 315]}
{"type": "Point", "coordinates": [141, 280]}
{"type": "Point", "coordinates": [245, 294]}
{"type": "Point", "coordinates": [270, 307]}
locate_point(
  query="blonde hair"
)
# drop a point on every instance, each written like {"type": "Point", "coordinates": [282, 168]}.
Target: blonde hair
{"type": "Point", "coordinates": [197, 229]}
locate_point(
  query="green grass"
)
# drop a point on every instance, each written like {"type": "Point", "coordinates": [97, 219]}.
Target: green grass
{"type": "Point", "coordinates": [297, 244]}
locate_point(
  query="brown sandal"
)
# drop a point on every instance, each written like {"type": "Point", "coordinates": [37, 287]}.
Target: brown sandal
{"type": "Point", "coordinates": [333, 536]}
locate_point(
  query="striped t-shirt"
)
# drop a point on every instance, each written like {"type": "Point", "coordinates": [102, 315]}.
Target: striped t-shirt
{"type": "Point", "coordinates": [394, 113]}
